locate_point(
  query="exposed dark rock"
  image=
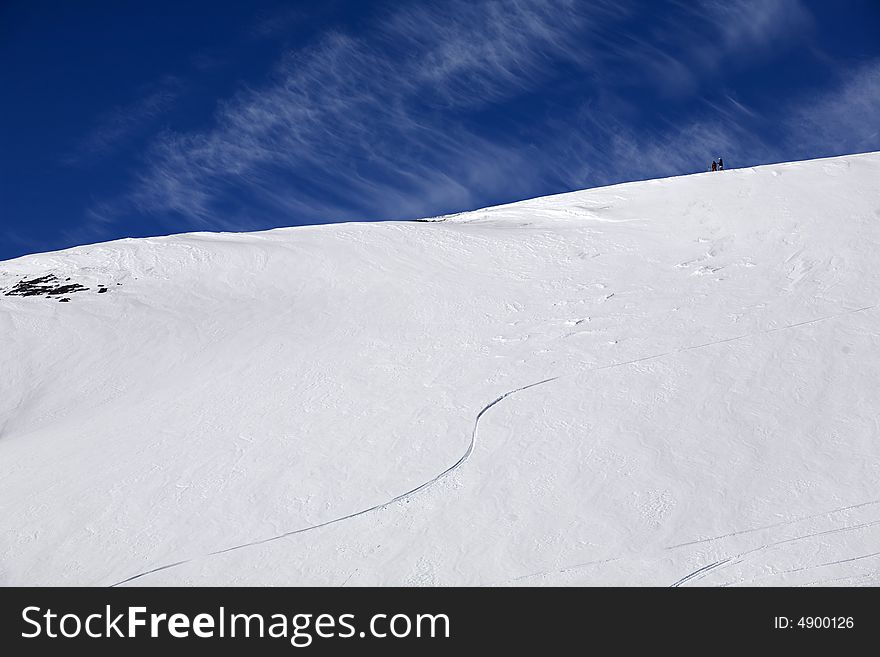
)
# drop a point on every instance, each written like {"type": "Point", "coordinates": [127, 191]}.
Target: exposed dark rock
{"type": "Point", "coordinates": [43, 286]}
{"type": "Point", "coordinates": [49, 286]}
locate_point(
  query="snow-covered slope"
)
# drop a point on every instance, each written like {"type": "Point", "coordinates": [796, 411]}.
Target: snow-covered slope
{"type": "Point", "coordinates": [668, 382]}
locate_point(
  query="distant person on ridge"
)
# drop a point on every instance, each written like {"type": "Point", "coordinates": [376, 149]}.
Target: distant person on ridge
{"type": "Point", "coordinates": [714, 165]}
{"type": "Point", "coordinates": [720, 164]}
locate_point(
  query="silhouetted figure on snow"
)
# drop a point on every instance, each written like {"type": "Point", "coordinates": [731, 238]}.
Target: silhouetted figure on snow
{"type": "Point", "coordinates": [714, 165]}
{"type": "Point", "coordinates": [720, 164]}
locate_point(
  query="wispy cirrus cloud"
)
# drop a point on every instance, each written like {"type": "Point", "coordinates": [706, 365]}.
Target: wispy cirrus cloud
{"type": "Point", "coordinates": [379, 125]}
{"type": "Point", "coordinates": [841, 119]}
{"type": "Point", "coordinates": [695, 39]}
{"type": "Point", "coordinates": [117, 126]}
{"type": "Point", "coordinates": [608, 150]}
{"type": "Point", "coordinates": [845, 119]}
{"type": "Point", "coordinates": [364, 112]}
{"type": "Point", "coordinates": [472, 53]}
{"type": "Point", "coordinates": [742, 27]}
{"type": "Point", "coordinates": [270, 24]}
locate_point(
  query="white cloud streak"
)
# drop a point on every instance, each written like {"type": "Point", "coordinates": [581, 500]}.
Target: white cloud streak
{"type": "Point", "coordinates": [118, 125]}
{"type": "Point", "coordinates": [843, 120]}
{"type": "Point", "coordinates": [370, 115]}
{"type": "Point", "coordinates": [378, 126]}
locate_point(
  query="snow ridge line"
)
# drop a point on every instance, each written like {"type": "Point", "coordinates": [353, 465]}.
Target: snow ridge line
{"type": "Point", "coordinates": [448, 471]}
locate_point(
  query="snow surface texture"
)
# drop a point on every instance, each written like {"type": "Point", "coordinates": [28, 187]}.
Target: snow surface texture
{"type": "Point", "coordinates": [670, 382]}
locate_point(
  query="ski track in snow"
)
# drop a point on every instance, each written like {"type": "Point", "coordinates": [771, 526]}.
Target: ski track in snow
{"type": "Point", "coordinates": [693, 576]}
{"type": "Point", "coordinates": [736, 338]}
{"type": "Point", "coordinates": [739, 558]}
{"type": "Point", "coordinates": [698, 571]}
{"type": "Point", "coordinates": [398, 498]}
{"type": "Point", "coordinates": [704, 570]}
{"type": "Point", "coordinates": [775, 524]}
{"type": "Point", "coordinates": [813, 567]}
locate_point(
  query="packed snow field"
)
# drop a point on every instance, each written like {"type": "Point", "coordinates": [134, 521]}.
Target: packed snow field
{"type": "Point", "coordinates": [668, 383]}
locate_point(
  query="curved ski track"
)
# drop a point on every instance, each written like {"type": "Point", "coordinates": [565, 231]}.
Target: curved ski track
{"type": "Point", "coordinates": [377, 507]}
{"type": "Point", "coordinates": [699, 573]}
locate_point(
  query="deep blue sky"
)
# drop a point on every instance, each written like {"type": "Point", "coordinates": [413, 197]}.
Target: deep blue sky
{"type": "Point", "coordinates": [142, 118]}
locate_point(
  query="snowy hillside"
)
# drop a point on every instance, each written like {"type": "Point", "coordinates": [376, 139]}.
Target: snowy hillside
{"type": "Point", "coordinates": [671, 382]}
